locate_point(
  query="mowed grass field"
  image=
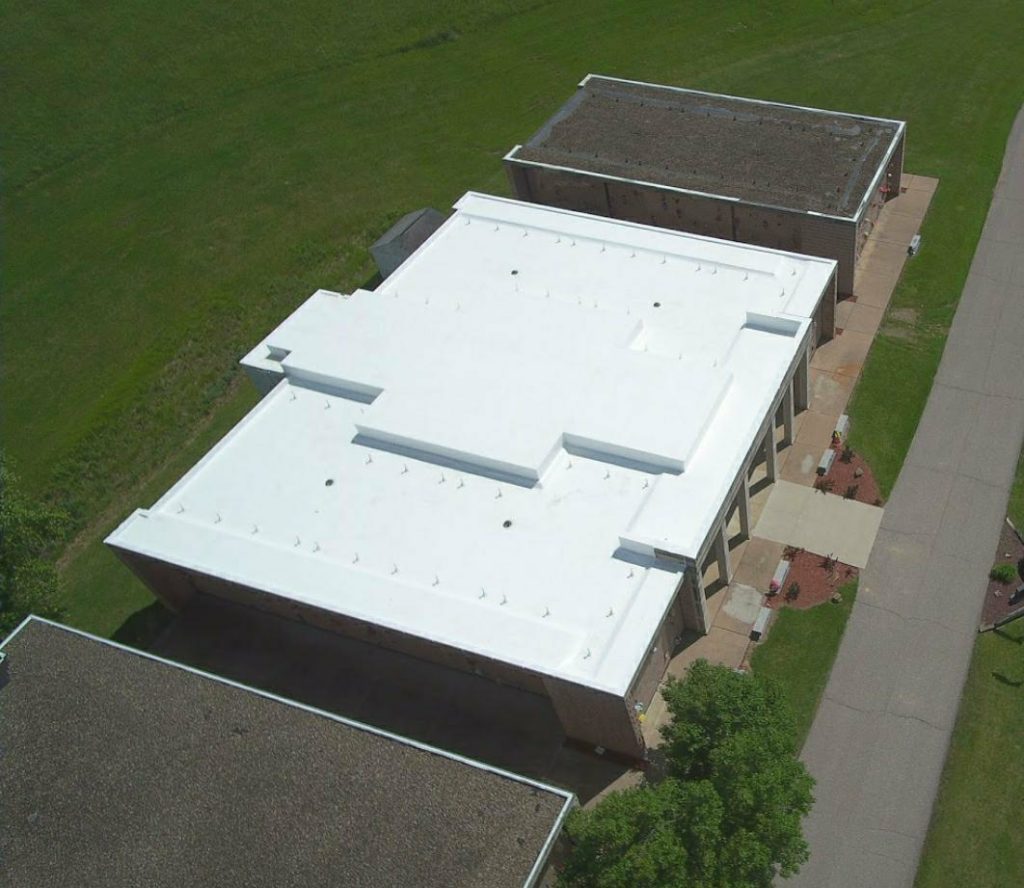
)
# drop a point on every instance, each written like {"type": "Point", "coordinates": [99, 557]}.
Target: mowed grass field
{"type": "Point", "coordinates": [976, 837]}
{"type": "Point", "coordinates": [800, 650]}
{"type": "Point", "coordinates": [178, 177]}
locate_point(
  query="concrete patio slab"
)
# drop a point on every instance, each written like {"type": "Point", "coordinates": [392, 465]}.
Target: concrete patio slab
{"type": "Point", "coordinates": [781, 514]}
{"type": "Point", "coordinates": [843, 309]}
{"type": "Point", "coordinates": [718, 646]}
{"type": "Point", "coordinates": [715, 600]}
{"type": "Point", "coordinates": [843, 355]}
{"type": "Point", "coordinates": [816, 428]}
{"type": "Point", "coordinates": [830, 392]}
{"type": "Point", "coordinates": [740, 609]}
{"type": "Point", "coordinates": [844, 529]}
{"type": "Point", "coordinates": [801, 465]}
{"type": "Point", "coordinates": [821, 523]}
{"type": "Point", "coordinates": [864, 318]}
{"type": "Point", "coordinates": [884, 256]}
{"type": "Point", "coordinates": [915, 201]}
{"type": "Point", "coordinates": [918, 182]}
{"type": "Point", "coordinates": [897, 228]}
{"type": "Point", "coordinates": [875, 287]}
{"type": "Point", "coordinates": [925, 183]}
{"type": "Point", "coordinates": [759, 562]}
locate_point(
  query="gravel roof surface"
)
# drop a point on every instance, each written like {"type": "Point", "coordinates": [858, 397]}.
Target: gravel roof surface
{"type": "Point", "coordinates": [119, 770]}
{"type": "Point", "coordinates": [800, 159]}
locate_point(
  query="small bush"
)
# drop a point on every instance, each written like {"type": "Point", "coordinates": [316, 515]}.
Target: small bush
{"type": "Point", "coordinates": [1003, 573]}
{"type": "Point", "coordinates": [793, 592]}
{"type": "Point", "coordinates": [825, 485]}
{"type": "Point", "coordinates": [847, 455]}
{"type": "Point", "coordinates": [851, 491]}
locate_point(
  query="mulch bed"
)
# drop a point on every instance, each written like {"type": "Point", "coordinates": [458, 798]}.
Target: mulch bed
{"type": "Point", "coordinates": [999, 598]}
{"type": "Point", "coordinates": [842, 479]}
{"type": "Point", "coordinates": [817, 582]}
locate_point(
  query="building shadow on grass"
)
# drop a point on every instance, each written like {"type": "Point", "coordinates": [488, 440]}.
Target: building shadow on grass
{"type": "Point", "coordinates": [144, 627]}
{"type": "Point", "coordinates": [1006, 636]}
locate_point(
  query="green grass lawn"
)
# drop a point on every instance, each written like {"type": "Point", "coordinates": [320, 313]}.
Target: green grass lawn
{"type": "Point", "coordinates": [799, 652]}
{"type": "Point", "coordinates": [102, 595]}
{"type": "Point", "coordinates": [976, 837]}
{"type": "Point", "coordinates": [179, 177]}
{"type": "Point", "coordinates": [1015, 508]}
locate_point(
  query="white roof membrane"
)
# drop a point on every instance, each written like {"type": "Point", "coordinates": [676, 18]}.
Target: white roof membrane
{"type": "Point", "coordinates": [487, 449]}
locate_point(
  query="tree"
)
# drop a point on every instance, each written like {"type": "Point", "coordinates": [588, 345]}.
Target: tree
{"type": "Point", "coordinates": [729, 811]}
{"type": "Point", "coordinates": [29, 532]}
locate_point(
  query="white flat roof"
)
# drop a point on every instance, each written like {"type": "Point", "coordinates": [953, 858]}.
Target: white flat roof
{"type": "Point", "coordinates": [595, 383]}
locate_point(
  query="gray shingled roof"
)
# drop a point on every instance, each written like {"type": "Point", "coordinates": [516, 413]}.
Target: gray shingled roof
{"type": "Point", "coordinates": [796, 158]}
{"type": "Point", "coordinates": [121, 769]}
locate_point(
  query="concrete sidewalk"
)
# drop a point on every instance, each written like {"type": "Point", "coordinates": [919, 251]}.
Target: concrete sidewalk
{"type": "Point", "coordinates": [879, 741]}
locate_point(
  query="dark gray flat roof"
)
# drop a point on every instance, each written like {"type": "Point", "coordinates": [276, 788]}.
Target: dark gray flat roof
{"type": "Point", "coordinates": [760, 152]}
{"type": "Point", "coordinates": [121, 769]}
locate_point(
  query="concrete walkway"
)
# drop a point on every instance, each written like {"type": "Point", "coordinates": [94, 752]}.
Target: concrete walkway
{"type": "Point", "coordinates": [822, 523]}
{"type": "Point", "coordinates": [879, 741]}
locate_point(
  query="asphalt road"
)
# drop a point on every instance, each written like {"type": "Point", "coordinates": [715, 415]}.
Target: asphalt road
{"type": "Point", "coordinates": [879, 741]}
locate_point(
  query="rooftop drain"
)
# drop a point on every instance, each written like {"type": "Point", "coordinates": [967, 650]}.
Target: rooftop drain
{"type": "Point", "coordinates": [328, 482]}
{"type": "Point", "coordinates": [515, 271]}
{"type": "Point", "coordinates": [506, 523]}
{"type": "Point", "coordinates": [657, 305]}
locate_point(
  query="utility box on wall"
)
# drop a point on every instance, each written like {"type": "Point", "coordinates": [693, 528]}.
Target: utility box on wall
{"type": "Point", "coordinates": [781, 176]}
{"type": "Point", "coordinates": [404, 238]}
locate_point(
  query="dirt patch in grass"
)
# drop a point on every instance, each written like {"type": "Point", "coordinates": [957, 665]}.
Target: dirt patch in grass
{"type": "Point", "coordinates": [1001, 600]}
{"type": "Point", "coordinates": [900, 323]}
{"type": "Point", "coordinates": [816, 579]}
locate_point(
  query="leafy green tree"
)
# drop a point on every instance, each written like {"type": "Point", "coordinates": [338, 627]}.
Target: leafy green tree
{"type": "Point", "coordinates": [29, 532]}
{"type": "Point", "coordinates": [729, 812]}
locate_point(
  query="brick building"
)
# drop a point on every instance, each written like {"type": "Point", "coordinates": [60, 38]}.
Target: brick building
{"type": "Point", "coordinates": [515, 457]}
{"type": "Point", "coordinates": [781, 176]}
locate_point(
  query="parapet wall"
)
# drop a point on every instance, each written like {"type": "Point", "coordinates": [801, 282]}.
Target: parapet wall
{"type": "Point", "coordinates": [707, 215]}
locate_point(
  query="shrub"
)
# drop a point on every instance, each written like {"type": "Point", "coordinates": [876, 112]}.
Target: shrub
{"type": "Point", "coordinates": [847, 455]}
{"type": "Point", "coordinates": [851, 492]}
{"type": "Point", "coordinates": [793, 592]}
{"type": "Point", "coordinates": [1003, 573]}
{"type": "Point", "coordinates": [730, 810]}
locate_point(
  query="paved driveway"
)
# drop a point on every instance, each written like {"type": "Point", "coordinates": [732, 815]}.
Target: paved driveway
{"type": "Point", "coordinates": [879, 741]}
